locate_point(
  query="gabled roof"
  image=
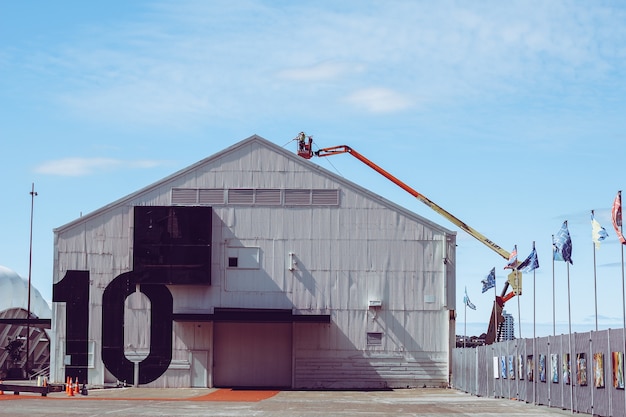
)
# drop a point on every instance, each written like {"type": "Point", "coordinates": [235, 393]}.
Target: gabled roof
{"type": "Point", "coordinates": [275, 148]}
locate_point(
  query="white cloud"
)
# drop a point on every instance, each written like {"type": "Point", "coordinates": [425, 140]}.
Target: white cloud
{"type": "Point", "coordinates": [318, 72]}
{"type": "Point", "coordinates": [76, 167]}
{"type": "Point", "coordinates": [379, 100]}
{"type": "Point", "coordinates": [186, 63]}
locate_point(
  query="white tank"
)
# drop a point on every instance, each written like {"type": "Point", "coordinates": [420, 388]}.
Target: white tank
{"type": "Point", "coordinates": [14, 294]}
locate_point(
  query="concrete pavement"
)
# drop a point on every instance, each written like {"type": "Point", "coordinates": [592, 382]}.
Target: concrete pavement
{"type": "Point", "coordinates": [428, 402]}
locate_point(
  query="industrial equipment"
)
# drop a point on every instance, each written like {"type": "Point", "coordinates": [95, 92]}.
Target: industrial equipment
{"type": "Point", "coordinates": [305, 150]}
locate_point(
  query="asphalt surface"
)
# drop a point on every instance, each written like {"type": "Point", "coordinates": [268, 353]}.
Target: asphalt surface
{"type": "Point", "coordinates": [135, 402]}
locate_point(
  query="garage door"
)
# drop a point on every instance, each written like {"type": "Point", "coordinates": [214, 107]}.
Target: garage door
{"type": "Point", "coordinates": [252, 355]}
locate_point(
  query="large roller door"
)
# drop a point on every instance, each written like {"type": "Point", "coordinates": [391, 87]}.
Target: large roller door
{"type": "Point", "coordinates": [252, 354]}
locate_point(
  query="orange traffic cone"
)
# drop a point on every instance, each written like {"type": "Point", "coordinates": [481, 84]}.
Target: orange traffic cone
{"type": "Point", "coordinates": [70, 389]}
{"type": "Point", "coordinates": [76, 386]}
{"type": "Point", "coordinates": [1, 391]}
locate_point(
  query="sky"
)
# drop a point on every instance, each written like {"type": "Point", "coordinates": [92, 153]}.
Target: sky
{"type": "Point", "coordinates": [509, 116]}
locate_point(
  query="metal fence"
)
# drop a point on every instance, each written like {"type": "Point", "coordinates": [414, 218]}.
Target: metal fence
{"type": "Point", "coordinates": [582, 372]}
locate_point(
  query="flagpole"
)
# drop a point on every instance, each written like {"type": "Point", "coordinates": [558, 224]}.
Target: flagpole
{"type": "Point", "coordinates": [465, 328]}
{"type": "Point", "coordinates": [616, 214]}
{"type": "Point", "coordinates": [534, 332]}
{"type": "Point", "coordinates": [621, 228]}
{"type": "Point", "coordinates": [553, 293]}
{"type": "Point", "coordinates": [33, 193]}
{"type": "Point", "coordinates": [495, 308]}
{"type": "Point", "coordinates": [569, 312]}
{"type": "Point", "coordinates": [623, 293]}
{"type": "Point", "coordinates": [595, 283]}
{"type": "Point", "coordinates": [519, 312]}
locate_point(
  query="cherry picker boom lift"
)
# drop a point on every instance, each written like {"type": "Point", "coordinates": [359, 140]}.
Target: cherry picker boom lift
{"type": "Point", "coordinates": [305, 150]}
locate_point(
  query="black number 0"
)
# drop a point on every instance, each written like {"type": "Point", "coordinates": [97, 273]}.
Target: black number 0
{"type": "Point", "coordinates": [73, 289]}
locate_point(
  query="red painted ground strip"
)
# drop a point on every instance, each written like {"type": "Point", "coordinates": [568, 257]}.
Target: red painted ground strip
{"type": "Point", "coordinates": [222, 394]}
{"type": "Point", "coordinates": [237, 395]}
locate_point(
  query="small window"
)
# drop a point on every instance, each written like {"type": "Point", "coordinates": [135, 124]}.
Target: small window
{"type": "Point", "coordinates": [244, 257]}
{"type": "Point", "coordinates": [374, 338]}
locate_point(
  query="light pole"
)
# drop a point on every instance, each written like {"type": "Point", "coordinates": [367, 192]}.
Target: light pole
{"type": "Point", "coordinates": [30, 267]}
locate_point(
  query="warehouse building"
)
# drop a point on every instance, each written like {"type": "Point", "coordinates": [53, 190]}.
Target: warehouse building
{"type": "Point", "coordinates": [254, 268]}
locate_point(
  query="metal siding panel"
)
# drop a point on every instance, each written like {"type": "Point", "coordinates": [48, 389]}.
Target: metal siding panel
{"type": "Point", "coordinates": [556, 357]}
{"type": "Point", "coordinates": [194, 299]}
{"type": "Point", "coordinates": [616, 344]}
{"type": "Point", "coordinates": [541, 391]}
{"type": "Point", "coordinates": [136, 326]}
{"type": "Point", "coordinates": [528, 382]}
{"type": "Point", "coordinates": [323, 368]}
{"type": "Point", "coordinates": [582, 377]}
{"type": "Point", "coordinates": [601, 396]}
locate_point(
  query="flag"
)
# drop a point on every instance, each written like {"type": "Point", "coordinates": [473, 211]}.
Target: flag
{"type": "Point", "coordinates": [467, 301]}
{"type": "Point", "coordinates": [512, 259]}
{"type": "Point", "coordinates": [530, 263]}
{"type": "Point", "coordinates": [616, 214]}
{"type": "Point", "coordinates": [562, 245]}
{"type": "Point", "coordinates": [490, 280]}
{"type": "Point", "coordinates": [598, 233]}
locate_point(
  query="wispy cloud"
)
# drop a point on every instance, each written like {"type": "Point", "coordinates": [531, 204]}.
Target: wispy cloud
{"type": "Point", "coordinates": [76, 167]}
{"type": "Point", "coordinates": [379, 100]}
{"type": "Point", "coordinates": [319, 72]}
{"type": "Point", "coordinates": [194, 62]}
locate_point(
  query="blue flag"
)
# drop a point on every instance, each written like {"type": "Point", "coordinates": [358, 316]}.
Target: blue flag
{"type": "Point", "coordinates": [530, 263]}
{"type": "Point", "coordinates": [490, 280]}
{"type": "Point", "coordinates": [562, 245]}
{"type": "Point", "coordinates": [467, 301]}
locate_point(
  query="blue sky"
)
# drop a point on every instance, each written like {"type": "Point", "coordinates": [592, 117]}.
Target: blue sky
{"type": "Point", "coordinates": [511, 117]}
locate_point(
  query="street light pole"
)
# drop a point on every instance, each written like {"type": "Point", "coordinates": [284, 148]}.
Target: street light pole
{"type": "Point", "coordinates": [30, 267]}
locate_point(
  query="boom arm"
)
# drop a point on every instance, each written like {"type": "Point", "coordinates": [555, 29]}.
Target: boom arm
{"type": "Point", "coordinates": [473, 232]}
{"type": "Point", "coordinates": [305, 151]}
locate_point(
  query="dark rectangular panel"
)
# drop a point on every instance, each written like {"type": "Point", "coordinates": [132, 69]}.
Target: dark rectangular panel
{"type": "Point", "coordinates": [172, 245]}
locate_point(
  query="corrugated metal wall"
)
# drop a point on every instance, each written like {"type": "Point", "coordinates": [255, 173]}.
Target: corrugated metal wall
{"type": "Point", "coordinates": [593, 383]}
{"type": "Point", "coordinates": [363, 249]}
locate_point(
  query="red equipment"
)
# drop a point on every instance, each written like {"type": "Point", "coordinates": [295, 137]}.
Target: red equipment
{"type": "Point", "coordinates": [305, 150]}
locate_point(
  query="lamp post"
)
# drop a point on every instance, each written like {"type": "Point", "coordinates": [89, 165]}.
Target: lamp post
{"type": "Point", "coordinates": [30, 267]}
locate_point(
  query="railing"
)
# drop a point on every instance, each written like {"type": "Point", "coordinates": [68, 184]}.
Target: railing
{"type": "Point", "coordinates": [45, 371]}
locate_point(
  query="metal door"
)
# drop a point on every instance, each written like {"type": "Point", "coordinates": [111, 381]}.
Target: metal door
{"type": "Point", "coordinates": [252, 354]}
